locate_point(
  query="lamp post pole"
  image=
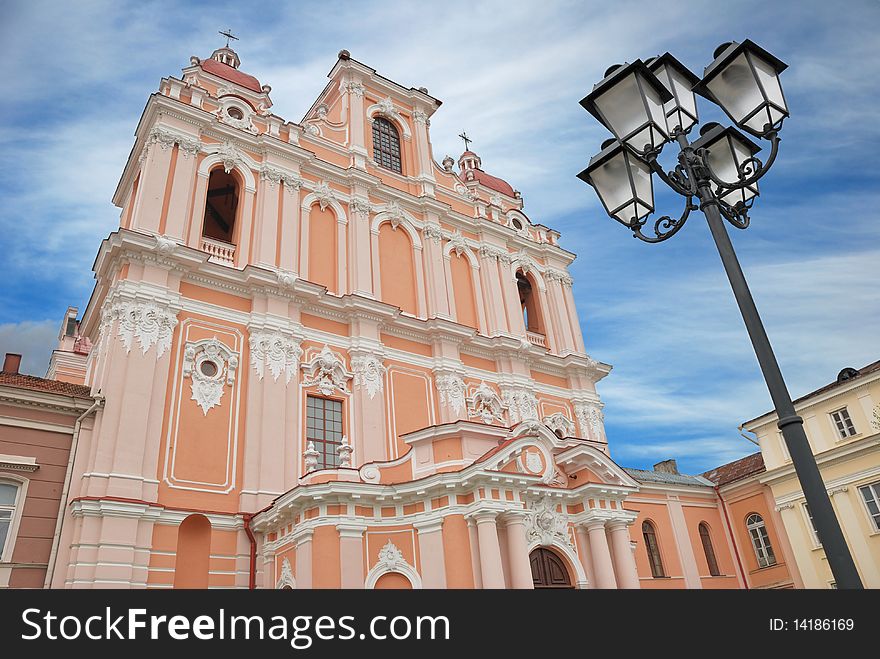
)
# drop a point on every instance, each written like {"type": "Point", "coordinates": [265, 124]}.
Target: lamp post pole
{"type": "Point", "coordinates": [790, 423]}
{"type": "Point", "coordinates": [646, 105]}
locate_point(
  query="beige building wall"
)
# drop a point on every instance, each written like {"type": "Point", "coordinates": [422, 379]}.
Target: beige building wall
{"type": "Point", "coordinates": [842, 422]}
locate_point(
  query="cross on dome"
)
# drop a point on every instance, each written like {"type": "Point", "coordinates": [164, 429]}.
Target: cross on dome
{"type": "Point", "coordinates": [226, 55]}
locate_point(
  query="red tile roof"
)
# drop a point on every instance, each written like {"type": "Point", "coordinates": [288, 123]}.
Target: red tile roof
{"type": "Point", "coordinates": [34, 383]}
{"type": "Point", "coordinates": [232, 75]}
{"type": "Point", "coordinates": [490, 181]}
{"type": "Point", "coordinates": [736, 470]}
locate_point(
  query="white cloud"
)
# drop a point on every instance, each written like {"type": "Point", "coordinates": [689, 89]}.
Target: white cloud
{"type": "Point", "coordinates": [511, 75]}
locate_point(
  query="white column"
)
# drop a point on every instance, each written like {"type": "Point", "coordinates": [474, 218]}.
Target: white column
{"type": "Point", "coordinates": [304, 560]}
{"type": "Point", "coordinates": [351, 554]}
{"type": "Point", "coordinates": [491, 289]}
{"type": "Point", "coordinates": [419, 265]}
{"type": "Point", "coordinates": [438, 302]}
{"type": "Point", "coordinates": [603, 567]}
{"type": "Point", "coordinates": [490, 550]}
{"type": "Point", "coordinates": [518, 552]}
{"type": "Point", "coordinates": [583, 543]}
{"type": "Point", "coordinates": [509, 291]}
{"type": "Point", "coordinates": [431, 553]}
{"type": "Point", "coordinates": [801, 546]}
{"type": "Point", "coordinates": [182, 190]}
{"type": "Point", "coordinates": [341, 256]}
{"type": "Point", "coordinates": [624, 561]}
{"type": "Point", "coordinates": [359, 247]}
{"type": "Point", "coordinates": [266, 221]}
{"type": "Point", "coordinates": [683, 544]}
{"type": "Point", "coordinates": [475, 553]}
{"type": "Point", "coordinates": [289, 240]}
{"type": "Point", "coordinates": [573, 319]}
{"type": "Point", "coordinates": [855, 537]}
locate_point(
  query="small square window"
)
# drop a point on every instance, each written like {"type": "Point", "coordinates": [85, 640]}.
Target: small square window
{"type": "Point", "coordinates": [843, 423]}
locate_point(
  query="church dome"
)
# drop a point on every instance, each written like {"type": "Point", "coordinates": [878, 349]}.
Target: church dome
{"type": "Point", "coordinates": [470, 165]}
{"type": "Point", "coordinates": [224, 63]}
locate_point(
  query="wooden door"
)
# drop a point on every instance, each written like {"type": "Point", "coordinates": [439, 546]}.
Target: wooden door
{"type": "Point", "coordinates": [548, 569]}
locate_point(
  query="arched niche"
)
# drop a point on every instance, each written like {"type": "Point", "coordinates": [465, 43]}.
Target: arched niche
{"type": "Point", "coordinates": [193, 552]}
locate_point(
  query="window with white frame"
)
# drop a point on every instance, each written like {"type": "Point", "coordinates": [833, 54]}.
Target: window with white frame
{"type": "Point", "coordinates": [871, 495]}
{"type": "Point", "coordinates": [8, 502]}
{"type": "Point", "coordinates": [843, 423]}
{"type": "Point", "coordinates": [324, 429]}
{"type": "Point", "coordinates": [812, 525]}
{"type": "Point", "coordinates": [760, 540]}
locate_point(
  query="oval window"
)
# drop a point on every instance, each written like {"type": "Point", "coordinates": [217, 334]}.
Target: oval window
{"type": "Point", "coordinates": [208, 369]}
{"type": "Point", "coordinates": [235, 113]}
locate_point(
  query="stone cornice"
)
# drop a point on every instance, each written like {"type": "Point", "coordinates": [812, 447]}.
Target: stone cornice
{"type": "Point", "coordinates": [814, 400]}
{"type": "Point", "coordinates": [44, 400]}
{"type": "Point", "coordinates": [125, 245]}
{"type": "Point", "coordinates": [849, 451]}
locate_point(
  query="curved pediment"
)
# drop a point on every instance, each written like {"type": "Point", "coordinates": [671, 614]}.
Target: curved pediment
{"type": "Point", "coordinates": [534, 450]}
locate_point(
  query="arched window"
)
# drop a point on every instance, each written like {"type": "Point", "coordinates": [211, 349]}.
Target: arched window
{"type": "Point", "coordinates": [221, 205]}
{"type": "Point", "coordinates": [386, 145]}
{"type": "Point", "coordinates": [709, 550]}
{"type": "Point", "coordinates": [9, 495]}
{"type": "Point", "coordinates": [529, 303]}
{"type": "Point", "coordinates": [760, 540]}
{"type": "Point", "coordinates": [653, 549]}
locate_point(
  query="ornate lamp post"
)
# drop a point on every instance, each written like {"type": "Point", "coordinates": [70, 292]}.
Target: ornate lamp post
{"type": "Point", "coordinates": [648, 104]}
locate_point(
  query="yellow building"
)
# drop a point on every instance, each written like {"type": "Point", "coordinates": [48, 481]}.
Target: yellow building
{"type": "Point", "coordinates": [842, 422]}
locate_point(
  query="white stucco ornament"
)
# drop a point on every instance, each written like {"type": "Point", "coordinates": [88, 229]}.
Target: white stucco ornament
{"type": "Point", "coordinates": [590, 419]}
{"type": "Point", "coordinates": [286, 578]}
{"type": "Point", "coordinates": [276, 351]}
{"type": "Point", "coordinates": [369, 373]}
{"type": "Point", "coordinates": [452, 391]}
{"type": "Point", "coordinates": [324, 194]}
{"type": "Point", "coordinates": [486, 404]}
{"type": "Point", "coordinates": [326, 371]}
{"type": "Point", "coordinates": [151, 323]}
{"type": "Point", "coordinates": [211, 366]}
{"type": "Point", "coordinates": [521, 404]}
{"type": "Point", "coordinates": [391, 557]}
{"type": "Point", "coordinates": [548, 526]}
{"type": "Point", "coordinates": [560, 424]}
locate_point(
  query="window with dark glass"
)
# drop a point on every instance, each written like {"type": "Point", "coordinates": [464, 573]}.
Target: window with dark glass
{"type": "Point", "coordinates": [653, 549]}
{"type": "Point", "coordinates": [709, 550]}
{"type": "Point", "coordinates": [386, 145]}
{"type": "Point", "coordinates": [324, 429]}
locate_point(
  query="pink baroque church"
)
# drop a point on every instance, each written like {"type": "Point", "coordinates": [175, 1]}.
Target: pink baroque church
{"type": "Point", "coordinates": [323, 360]}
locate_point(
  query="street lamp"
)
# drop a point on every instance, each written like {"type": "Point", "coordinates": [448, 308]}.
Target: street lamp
{"type": "Point", "coordinates": [648, 104]}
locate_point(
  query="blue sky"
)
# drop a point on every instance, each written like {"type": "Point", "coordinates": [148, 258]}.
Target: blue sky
{"type": "Point", "coordinates": [77, 76]}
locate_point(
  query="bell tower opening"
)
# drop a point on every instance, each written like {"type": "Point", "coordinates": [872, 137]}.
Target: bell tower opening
{"type": "Point", "coordinates": [529, 303]}
{"type": "Point", "coordinates": [221, 205]}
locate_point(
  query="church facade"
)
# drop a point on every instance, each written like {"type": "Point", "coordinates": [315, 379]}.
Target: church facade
{"type": "Point", "coordinates": [324, 360]}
